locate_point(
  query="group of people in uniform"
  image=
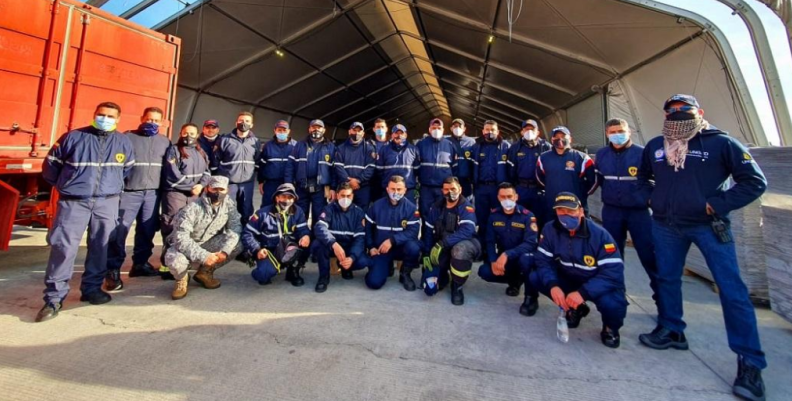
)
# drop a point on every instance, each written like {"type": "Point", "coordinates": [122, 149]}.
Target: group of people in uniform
{"type": "Point", "coordinates": [435, 206]}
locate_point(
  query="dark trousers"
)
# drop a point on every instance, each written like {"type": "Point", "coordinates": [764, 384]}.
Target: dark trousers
{"type": "Point", "coordinates": [143, 207]}
{"type": "Point", "coordinates": [428, 197]}
{"type": "Point", "coordinates": [517, 272]}
{"type": "Point", "coordinates": [100, 217]}
{"type": "Point", "coordinates": [323, 254]}
{"type": "Point", "coordinates": [270, 186]}
{"type": "Point", "coordinates": [455, 264]}
{"type": "Point", "coordinates": [532, 198]}
{"type": "Point", "coordinates": [408, 253]}
{"type": "Point", "coordinates": [486, 200]}
{"type": "Point", "coordinates": [312, 202]}
{"type": "Point", "coordinates": [618, 221]}
{"type": "Point", "coordinates": [363, 196]}
{"type": "Point", "coordinates": [242, 194]}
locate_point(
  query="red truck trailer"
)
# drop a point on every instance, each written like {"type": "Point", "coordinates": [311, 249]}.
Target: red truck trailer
{"type": "Point", "coordinates": [58, 60]}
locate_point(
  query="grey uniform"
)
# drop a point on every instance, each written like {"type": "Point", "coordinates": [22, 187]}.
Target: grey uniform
{"type": "Point", "coordinates": [201, 231]}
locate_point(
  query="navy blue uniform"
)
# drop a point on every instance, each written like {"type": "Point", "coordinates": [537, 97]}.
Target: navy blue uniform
{"type": "Point", "coordinates": [140, 201]}
{"type": "Point", "coordinates": [626, 205]}
{"type": "Point", "coordinates": [273, 161]}
{"type": "Point", "coordinates": [464, 146]}
{"type": "Point", "coordinates": [399, 160]}
{"type": "Point", "coordinates": [356, 161]}
{"type": "Point", "coordinates": [679, 206]}
{"type": "Point", "coordinates": [572, 171]}
{"type": "Point", "coordinates": [455, 229]}
{"type": "Point", "coordinates": [490, 168]}
{"type": "Point", "coordinates": [180, 175]}
{"type": "Point", "coordinates": [265, 229]}
{"type": "Point", "coordinates": [515, 235]}
{"type": "Point", "coordinates": [399, 223]}
{"type": "Point", "coordinates": [235, 158]}
{"type": "Point", "coordinates": [438, 162]}
{"type": "Point", "coordinates": [310, 169]}
{"type": "Point", "coordinates": [523, 158]}
{"type": "Point", "coordinates": [346, 228]}
{"type": "Point", "coordinates": [207, 146]}
{"type": "Point", "coordinates": [87, 167]}
{"type": "Point", "coordinates": [588, 262]}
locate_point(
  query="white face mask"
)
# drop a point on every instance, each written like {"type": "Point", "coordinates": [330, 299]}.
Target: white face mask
{"type": "Point", "coordinates": [508, 204]}
{"type": "Point", "coordinates": [344, 202]}
{"type": "Point", "coordinates": [437, 133]}
{"type": "Point", "coordinates": [458, 131]}
{"type": "Point", "coordinates": [530, 135]}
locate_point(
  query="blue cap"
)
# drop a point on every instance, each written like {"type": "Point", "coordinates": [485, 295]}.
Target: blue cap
{"type": "Point", "coordinates": [316, 122]}
{"type": "Point", "coordinates": [357, 124]}
{"type": "Point", "coordinates": [398, 127]}
{"type": "Point", "coordinates": [529, 122]}
{"type": "Point", "coordinates": [686, 99]}
{"type": "Point", "coordinates": [436, 121]}
{"type": "Point", "coordinates": [282, 124]}
{"type": "Point", "coordinates": [561, 128]}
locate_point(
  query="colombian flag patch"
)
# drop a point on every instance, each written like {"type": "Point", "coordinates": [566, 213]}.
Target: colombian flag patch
{"type": "Point", "coordinates": [610, 248]}
{"type": "Point", "coordinates": [470, 209]}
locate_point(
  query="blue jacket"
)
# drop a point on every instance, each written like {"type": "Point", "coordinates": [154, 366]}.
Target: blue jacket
{"type": "Point", "coordinates": [208, 148]}
{"type": "Point", "coordinates": [617, 174]}
{"type": "Point", "coordinates": [236, 157]}
{"type": "Point", "coordinates": [573, 171]}
{"type": "Point", "coordinates": [400, 223]}
{"type": "Point", "coordinates": [463, 146]}
{"type": "Point", "coordinates": [438, 161]}
{"type": "Point", "coordinates": [149, 155]}
{"type": "Point", "coordinates": [355, 161]}
{"type": "Point", "coordinates": [266, 227]}
{"type": "Point", "coordinates": [464, 227]}
{"type": "Point", "coordinates": [88, 163]}
{"type": "Point", "coordinates": [515, 234]}
{"type": "Point", "coordinates": [345, 227]}
{"type": "Point", "coordinates": [274, 159]}
{"type": "Point", "coordinates": [589, 259]}
{"type": "Point", "coordinates": [403, 161]}
{"type": "Point", "coordinates": [490, 161]}
{"type": "Point", "coordinates": [713, 156]}
{"type": "Point", "coordinates": [182, 174]}
{"type": "Point", "coordinates": [522, 160]}
{"type": "Point", "coordinates": [311, 161]}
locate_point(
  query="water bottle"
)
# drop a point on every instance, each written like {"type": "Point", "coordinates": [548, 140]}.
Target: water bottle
{"type": "Point", "coordinates": [562, 330]}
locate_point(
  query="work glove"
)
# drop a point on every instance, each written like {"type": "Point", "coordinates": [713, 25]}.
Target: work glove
{"type": "Point", "coordinates": [427, 264]}
{"type": "Point", "coordinates": [434, 255]}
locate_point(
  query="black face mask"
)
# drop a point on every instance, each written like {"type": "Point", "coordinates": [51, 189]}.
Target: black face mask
{"type": "Point", "coordinates": [243, 127]}
{"type": "Point", "coordinates": [188, 141]}
{"type": "Point", "coordinates": [560, 143]}
{"type": "Point", "coordinates": [317, 134]}
{"type": "Point", "coordinates": [681, 116]}
{"type": "Point", "coordinates": [216, 197]}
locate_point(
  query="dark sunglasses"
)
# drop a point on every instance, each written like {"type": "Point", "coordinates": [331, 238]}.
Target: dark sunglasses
{"type": "Point", "coordinates": [686, 109]}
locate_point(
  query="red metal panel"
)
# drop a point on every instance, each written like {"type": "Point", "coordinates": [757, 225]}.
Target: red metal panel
{"type": "Point", "coordinates": [9, 199]}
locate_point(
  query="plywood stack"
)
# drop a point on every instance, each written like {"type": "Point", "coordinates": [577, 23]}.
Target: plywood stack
{"type": "Point", "coordinates": [777, 210]}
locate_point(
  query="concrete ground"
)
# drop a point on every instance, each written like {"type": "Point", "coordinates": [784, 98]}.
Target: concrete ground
{"type": "Point", "coordinates": [244, 341]}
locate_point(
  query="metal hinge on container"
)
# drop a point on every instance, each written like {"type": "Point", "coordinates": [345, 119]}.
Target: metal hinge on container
{"type": "Point", "coordinates": [14, 128]}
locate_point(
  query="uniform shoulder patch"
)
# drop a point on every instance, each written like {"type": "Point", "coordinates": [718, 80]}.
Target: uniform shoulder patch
{"type": "Point", "coordinates": [534, 227]}
{"type": "Point", "coordinates": [254, 217]}
{"type": "Point", "coordinates": [323, 215]}
{"type": "Point", "coordinates": [610, 248]}
{"type": "Point", "coordinates": [417, 213]}
{"type": "Point", "coordinates": [525, 211]}
{"type": "Point", "coordinates": [470, 209]}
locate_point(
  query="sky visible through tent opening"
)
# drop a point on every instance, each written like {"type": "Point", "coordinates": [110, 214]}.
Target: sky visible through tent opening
{"type": "Point", "coordinates": [719, 14]}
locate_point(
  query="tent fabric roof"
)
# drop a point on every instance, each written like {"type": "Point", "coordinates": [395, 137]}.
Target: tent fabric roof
{"type": "Point", "coordinates": [357, 60]}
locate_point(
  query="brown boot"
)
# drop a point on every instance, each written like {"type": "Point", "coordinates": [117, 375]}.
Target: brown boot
{"type": "Point", "coordinates": [180, 290]}
{"type": "Point", "coordinates": [205, 277]}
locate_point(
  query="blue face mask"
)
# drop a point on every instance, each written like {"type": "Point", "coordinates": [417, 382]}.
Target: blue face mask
{"type": "Point", "coordinates": [618, 139]}
{"type": "Point", "coordinates": [149, 129]}
{"type": "Point", "coordinates": [103, 123]}
{"type": "Point", "coordinates": [282, 137]}
{"type": "Point", "coordinates": [380, 133]}
{"type": "Point", "coordinates": [571, 223]}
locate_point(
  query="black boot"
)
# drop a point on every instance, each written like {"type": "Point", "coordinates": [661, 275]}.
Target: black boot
{"type": "Point", "coordinates": [112, 281]}
{"type": "Point", "coordinates": [49, 311]}
{"type": "Point", "coordinates": [406, 280]}
{"type": "Point", "coordinates": [347, 274]}
{"type": "Point", "coordinates": [575, 315]}
{"type": "Point", "coordinates": [321, 285]}
{"type": "Point", "coordinates": [97, 297]}
{"type": "Point", "coordinates": [663, 338]}
{"type": "Point", "coordinates": [293, 276]}
{"type": "Point", "coordinates": [143, 270]}
{"type": "Point", "coordinates": [391, 270]}
{"type": "Point", "coordinates": [529, 305]}
{"type": "Point", "coordinates": [457, 296]}
{"type": "Point", "coordinates": [610, 338]}
{"type": "Point", "coordinates": [513, 290]}
{"type": "Point", "coordinates": [749, 384]}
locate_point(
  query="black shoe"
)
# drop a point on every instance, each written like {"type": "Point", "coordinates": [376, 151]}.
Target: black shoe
{"type": "Point", "coordinates": [293, 276]}
{"type": "Point", "coordinates": [347, 274]}
{"type": "Point", "coordinates": [144, 270]}
{"type": "Point", "coordinates": [610, 338]}
{"type": "Point", "coordinates": [97, 297]}
{"type": "Point", "coordinates": [407, 281]}
{"type": "Point", "coordinates": [662, 338]}
{"type": "Point", "coordinates": [529, 306]}
{"type": "Point", "coordinates": [112, 281]}
{"type": "Point", "coordinates": [49, 311]}
{"type": "Point", "coordinates": [575, 315]}
{"type": "Point", "coordinates": [167, 276]}
{"type": "Point", "coordinates": [513, 291]}
{"type": "Point", "coordinates": [457, 296]}
{"type": "Point", "coordinates": [321, 285]}
{"type": "Point", "coordinates": [268, 282]}
{"type": "Point", "coordinates": [391, 270]}
{"type": "Point", "coordinates": [749, 384]}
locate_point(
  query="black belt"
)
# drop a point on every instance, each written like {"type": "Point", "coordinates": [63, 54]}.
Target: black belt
{"type": "Point", "coordinates": [527, 183]}
{"type": "Point", "coordinates": [489, 183]}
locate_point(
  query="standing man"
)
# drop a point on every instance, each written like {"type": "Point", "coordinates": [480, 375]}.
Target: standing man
{"type": "Point", "coordinates": [691, 164]}
{"type": "Point", "coordinates": [140, 202]}
{"type": "Point", "coordinates": [235, 156]}
{"type": "Point", "coordinates": [209, 135]}
{"type": "Point", "coordinates": [310, 169]}
{"type": "Point", "coordinates": [400, 158]}
{"type": "Point", "coordinates": [511, 244]}
{"type": "Point", "coordinates": [463, 145]}
{"type": "Point", "coordinates": [523, 158]}
{"type": "Point", "coordinates": [87, 166]}
{"type": "Point", "coordinates": [273, 161]}
{"type": "Point", "coordinates": [489, 158]}
{"type": "Point", "coordinates": [625, 205]}
{"type": "Point", "coordinates": [438, 162]}
{"type": "Point", "coordinates": [565, 170]}
{"type": "Point", "coordinates": [378, 183]}
{"type": "Point", "coordinates": [450, 241]}
{"type": "Point", "coordinates": [355, 163]}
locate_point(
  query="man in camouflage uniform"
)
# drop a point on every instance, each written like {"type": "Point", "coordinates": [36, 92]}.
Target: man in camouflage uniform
{"type": "Point", "coordinates": [207, 233]}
